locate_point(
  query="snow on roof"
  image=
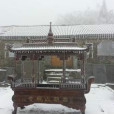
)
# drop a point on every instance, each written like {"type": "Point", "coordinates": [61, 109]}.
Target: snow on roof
{"type": "Point", "coordinates": [45, 48]}
{"type": "Point", "coordinates": [100, 100]}
{"type": "Point", "coordinates": [4, 29]}
{"type": "Point", "coordinates": [58, 30]}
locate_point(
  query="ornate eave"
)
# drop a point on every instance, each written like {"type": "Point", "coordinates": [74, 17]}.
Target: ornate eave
{"type": "Point", "coordinates": [47, 48]}
{"type": "Point", "coordinates": [50, 49]}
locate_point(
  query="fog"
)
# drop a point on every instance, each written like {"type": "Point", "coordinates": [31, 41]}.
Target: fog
{"type": "Point", "coordinates": [41, 12]}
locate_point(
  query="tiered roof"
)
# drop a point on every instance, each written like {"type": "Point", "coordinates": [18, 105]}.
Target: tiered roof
{"type": "Point", "coordinates": [49, 46]}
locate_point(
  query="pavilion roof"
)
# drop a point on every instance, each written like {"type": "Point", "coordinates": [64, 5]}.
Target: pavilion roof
{"type": "Point", "coordinates": [44, 47]}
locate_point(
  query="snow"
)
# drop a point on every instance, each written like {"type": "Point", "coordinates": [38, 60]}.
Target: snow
{"type": "Point", "coordinates": [100, 100]}
{"type": "Point", "coordinates": [109, 83]}
{"type": "Point", "coordinates": [45, 48]}
{"type": "Point", "coordinates": [58, 30]}
{"type": "Point", "coordinates": [6, 105]}
{"type": "Point", "coordinates": [2, 70]}
{"type": "Point", "coordinates": [60, 70]}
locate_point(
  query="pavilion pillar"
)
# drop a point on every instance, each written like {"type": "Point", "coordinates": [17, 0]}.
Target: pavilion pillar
{"type": "Point", "coordinates": [15, 65]}
{"type": "Point", "coordinates": [38, 71]}
{"type": "Point", "coordinates": [22, 70]}
{"type": "Point", "coordinates": [75, 62]}
{"type": "Point", "coordinates": [83, 65]}
{"type": "Point", "coordinates": [64, 68]}
{"type": "Point", "coordinates": [33, 72]}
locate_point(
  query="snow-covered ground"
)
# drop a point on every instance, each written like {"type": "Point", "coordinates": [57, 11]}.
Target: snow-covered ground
{"type": "Point", "coordinates": [100, 100]}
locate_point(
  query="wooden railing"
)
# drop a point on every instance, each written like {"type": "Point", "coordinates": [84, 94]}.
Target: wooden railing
{"type": "Point", "coordinates": [76, 85]}
{"type": "Point", "coordinates": [25, 83]}
{"type": "Point", "coordinates": [73, 86]}
{"type": "Point", "coordinates": [28, 83]}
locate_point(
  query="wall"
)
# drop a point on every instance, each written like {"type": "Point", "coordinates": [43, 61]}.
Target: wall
{"type": "Point", "coordinates": [104, 73]}
{"type": "Point", "coordinates": [5, 72]}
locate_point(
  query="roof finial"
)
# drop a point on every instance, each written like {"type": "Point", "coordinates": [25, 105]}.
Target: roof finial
{"type": "Point", "coordinates": [50, 31]}
{"type": "Point", "coordinates": [50, 27]}
{"type": "Point", "coordinates": [50, 35]}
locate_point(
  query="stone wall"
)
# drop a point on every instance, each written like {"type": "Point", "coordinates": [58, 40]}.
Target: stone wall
{"type": "Point", "coordinates": [2, 75]}
{"type": "Point", "coordinates": [5, 72]}
{"type": "Point", "coordinates": [104, 73]}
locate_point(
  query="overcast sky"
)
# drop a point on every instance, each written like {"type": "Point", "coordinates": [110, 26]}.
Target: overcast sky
{"type": "Point", "coordinates": [40, 12]}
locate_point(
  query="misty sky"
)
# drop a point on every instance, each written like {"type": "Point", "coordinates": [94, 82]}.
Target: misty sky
{"type": "Point", "coordinates": [40, 12]}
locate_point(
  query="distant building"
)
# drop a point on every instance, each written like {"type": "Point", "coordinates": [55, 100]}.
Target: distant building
{"type": "Point", "coordinates": [105, 50]}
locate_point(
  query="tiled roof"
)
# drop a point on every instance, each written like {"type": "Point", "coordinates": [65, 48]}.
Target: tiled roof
{"type": "Point", "coordinates": [58, 30]}
{"type": "Point", "coordinates": [46, 47]}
